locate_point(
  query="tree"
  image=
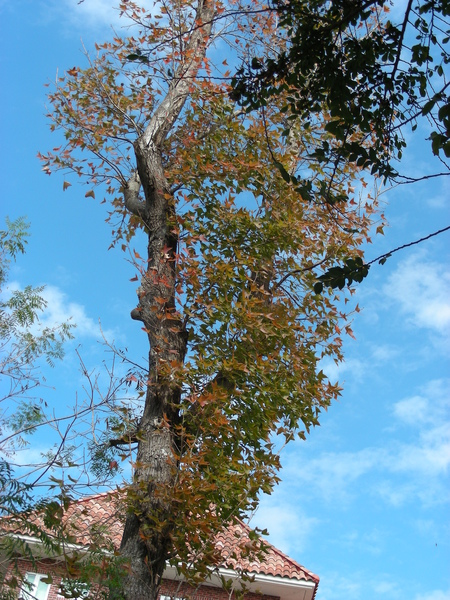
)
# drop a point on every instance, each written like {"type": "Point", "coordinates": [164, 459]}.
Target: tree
{"type": "Point", "coordinates": [22, 344]}
{"type": "Point", "coordinates": [373, 75]}
{"type": "Point", "coordinates": [34, 499]}
{"type": "Point", "coordinates": [236, 332]}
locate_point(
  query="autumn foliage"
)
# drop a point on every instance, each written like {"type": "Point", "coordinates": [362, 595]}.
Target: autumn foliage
{"type": "Point", "coordinates": [226, 297]}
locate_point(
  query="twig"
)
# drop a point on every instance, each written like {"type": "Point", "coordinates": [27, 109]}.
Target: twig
{"type": "Point", "coordinates": [427, 237]}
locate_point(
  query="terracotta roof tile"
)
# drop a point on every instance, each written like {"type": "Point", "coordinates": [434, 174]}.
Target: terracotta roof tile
{"type": "Point", "coordinates": [87, 518]}
{"type": "Point", "coordinates": [274, 563]}
{"type": "Point", "coordinates": [92, 515]}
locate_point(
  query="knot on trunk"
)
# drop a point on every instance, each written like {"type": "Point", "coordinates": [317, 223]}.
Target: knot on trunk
{"type": "Point", "coordinates": [136, 314]}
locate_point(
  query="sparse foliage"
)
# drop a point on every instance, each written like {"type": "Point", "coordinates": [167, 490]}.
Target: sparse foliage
{"type": "Point", "coordinates": [380, 76]}
{"type": "Point", "coordinates": [23, 342]}
{"type": "Point", "coordinates": [375, 75]}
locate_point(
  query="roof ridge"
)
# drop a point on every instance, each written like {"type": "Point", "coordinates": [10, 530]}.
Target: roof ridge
{"type": "Point", "coordinates": [93, 496]}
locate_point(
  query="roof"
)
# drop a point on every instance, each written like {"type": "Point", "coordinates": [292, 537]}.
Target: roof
{"type": "Point", "coordinates": [88, 514]}
{"type": "Point", "coordinates": [87, 518]}
{"type": "Point", "coordinates": [275, 562]}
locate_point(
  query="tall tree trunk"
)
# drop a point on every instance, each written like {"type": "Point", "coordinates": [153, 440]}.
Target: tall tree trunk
{"type": "Point", "coordinates": [146, 542]}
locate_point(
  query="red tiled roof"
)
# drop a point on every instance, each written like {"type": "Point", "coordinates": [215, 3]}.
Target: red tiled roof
{"type": "Point", "coordinates": [275, 562]}
{"type": "Point", "coordinates": [88, 515]}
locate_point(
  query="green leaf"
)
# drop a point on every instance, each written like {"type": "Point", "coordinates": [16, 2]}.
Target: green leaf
{"type": "Point", "coordinates": [318, 287]}
{"type": "Point", "coordinates": [284, 174]}
{"type": "Point", "coordinates": [428, 107]}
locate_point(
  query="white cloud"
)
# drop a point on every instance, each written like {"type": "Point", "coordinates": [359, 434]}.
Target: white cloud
{"type": "Point", "coordinates": [412, 464]}
{"type": "Point", "coordinates": [334, 586]}
{"type": "Point", "coordinates": [434, 595]}
{"type": "Point", "coordinates": [371, 542]}
{"type": "Point", "coordinates": [359, 585]}
{"type": "Point", "coordinates": [90, 13]}
{"type": "Point", "coordinates": [94, 15]}
{"type": "Point", "coordinates": [431, 406]}
{"type": "Point", "coordinates": [421, 289]}
{"type": "Point", "coordinates": [427, 528]}
{"type": "Point", "coordinates": [412, 410]}
{"type": "Point", "coordinates": [353, 366]}
{"type": "Point", "coordinates": [394, 495]}
{"type": "Point", "coordinates": [332, 474]}
{"type": "Point", "coordinates": [354, 370]}
{"type": "Point", "coordinates": [431, 456]}
{"type": "Point", "coordinates": [59, 310]}
{"type": "Point", "coordinates": [384, 353]}
{"type": "Point", "coordinates": [385, 587]}
{"type": "Point", "coordinates": [439, 201]}
{"type": "Point", "coordinates": [429, 413]}
{"type": "Point", "coordinates": [397, 472]}
{"type": "Point", "coordinates": [281, 519]}
{"type": "Point", "coordinates": [30, 457]}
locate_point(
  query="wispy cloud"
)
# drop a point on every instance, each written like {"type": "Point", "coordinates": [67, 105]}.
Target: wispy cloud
{"type": "Point", "coordinates": [337, 372]}
{"type": "Point", "coordinates": [281, 519]}
{"type": "Point", "coordinates": [395, 471]}
{"type": "Point", "coordinates": [93, 14]}
{"type": "Point", "coordinates": [331, 476]}
{"type": "Point", "coordinates": [421, 290]}
{"type": "Point", "coordinates": [383, 353]}
{"type": "Point", "coordinates": [359, 585]}
{"type": "Point", "coordinates": [428, 414]}
{"type": "Point", "coordinates": [430, 457]}
{"type": "Point", "coordinates": [334, 586]}
{"type": "Point", "coordinates": [355, 369]}
{"type": "Point", "coordinates": [434, 595]}
{"type": "Point", "coordinates": [439, 200]}
{"type": "Point", "coordinates": [431, 406]}
{"type": "Point", "coordinates": [60, 309]}
{"type": "Point", "coordinates": [89, 15]}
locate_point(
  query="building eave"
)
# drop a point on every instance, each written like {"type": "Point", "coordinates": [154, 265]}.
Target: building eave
{"type": "Point", "coordinates": [271, 585]}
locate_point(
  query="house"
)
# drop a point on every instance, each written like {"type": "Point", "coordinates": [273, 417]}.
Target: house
{"type": "Point", "coordinates": [277, 577]}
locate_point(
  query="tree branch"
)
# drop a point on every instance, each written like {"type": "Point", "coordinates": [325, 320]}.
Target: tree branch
{"type": "Point", "coordinates": [389, 254]}
{"type": "Point", "coordinates": [169, 109]}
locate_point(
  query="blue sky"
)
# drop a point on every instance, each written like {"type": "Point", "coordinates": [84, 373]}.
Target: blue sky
{"type": "Point", "coordinates": [364, 502]}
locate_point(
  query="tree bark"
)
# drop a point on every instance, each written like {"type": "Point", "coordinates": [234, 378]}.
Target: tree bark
{"type": "Point", "coordinates": [146, 542]}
